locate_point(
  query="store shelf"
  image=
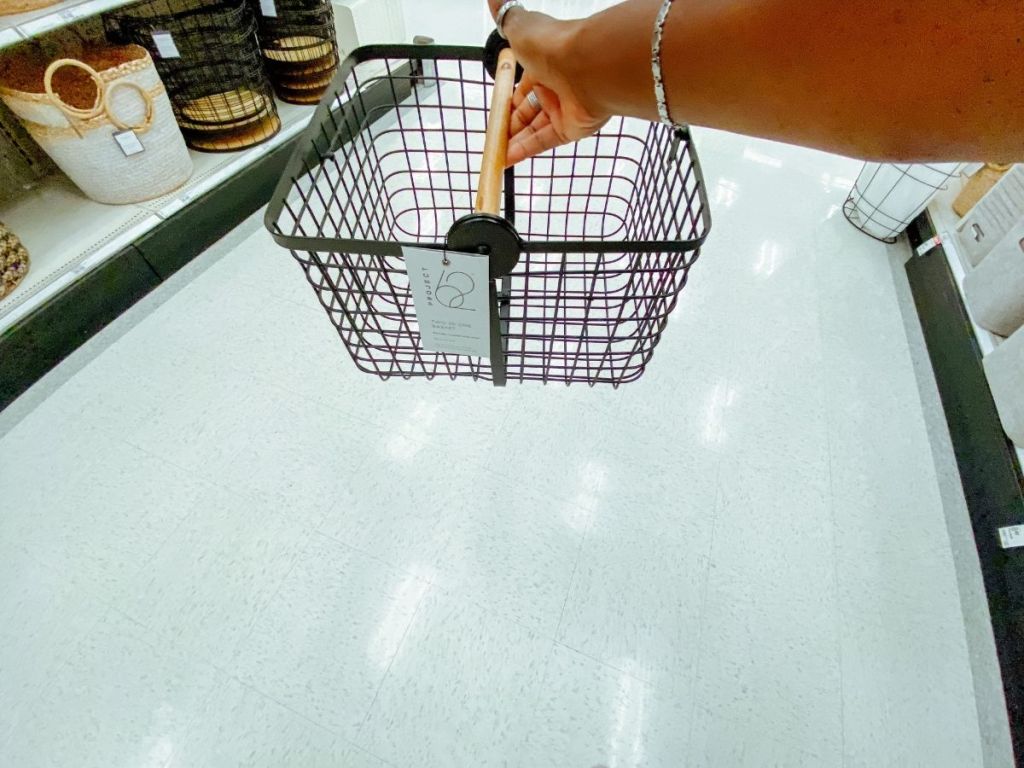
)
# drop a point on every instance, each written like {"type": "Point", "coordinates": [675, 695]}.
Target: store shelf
{"type": "Point", "coordinates": [946, 221]}
{"type": "Point", "coordinates": [87, 233]}
{"type": "Point", "coordinates": [24, 26]}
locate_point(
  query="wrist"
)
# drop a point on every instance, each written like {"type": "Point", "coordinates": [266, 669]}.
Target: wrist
{"type": "Point", "coordinates": [607, 55]}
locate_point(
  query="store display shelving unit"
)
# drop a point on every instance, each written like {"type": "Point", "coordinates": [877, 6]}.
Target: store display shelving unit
{"type": "Point", "coordinates": [96, 260]}
{"type": "Point", "coordinates": [987, 462]}
{"type": "Point", "coordinates": [90, 233]}
{"type": "Point", "coordinates": [944, 220]}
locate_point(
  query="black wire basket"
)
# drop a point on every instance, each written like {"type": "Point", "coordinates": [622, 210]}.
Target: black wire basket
{"type": "Point", "coordinates": [207, 54]}
{"type": "Point", "coordinates": [588, 260]}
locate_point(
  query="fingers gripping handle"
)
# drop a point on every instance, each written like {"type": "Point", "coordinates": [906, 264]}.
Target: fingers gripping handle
{"type": "Point", "coordinates": [488, 196]}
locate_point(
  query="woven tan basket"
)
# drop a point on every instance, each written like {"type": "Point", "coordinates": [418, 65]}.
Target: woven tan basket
{"type": "Point", "coordinates": [13, 261]}
{"type": "Point", "coordinates": [83, 141]}
{"type": "Point", "coordinates": [8, 7]}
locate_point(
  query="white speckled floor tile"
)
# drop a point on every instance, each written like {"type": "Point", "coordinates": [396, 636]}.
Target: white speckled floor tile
{"type": "Point", "coordinates": [100, 519]}
{"type": "Point", "coordinates": [460, 691]}
{"type": "Point", "coordinates": [897, 612]}
{"type": "Point", "coordinates": [41, 619]}
{"type": "Point", "coordinates": [117, 701]}
{"type": "Point", "coordinates": [395, 514]}
{"type": "Point", "coordinates": [209, 580]}
{"type": "Point", "coordinates": [324, 643]}
{"type": "Point", "coordinates": [512, 552]}
{"type": "Point", "coordinates": [717, 742]}
{"type": "Point", "coordinates": [769, 644]}
{"type": "Point", "coordinates": [239, 727]}
{"type": "Point", "coordinates": [589, 714]}
{"type": "Point", "coordinates": [635, 601]}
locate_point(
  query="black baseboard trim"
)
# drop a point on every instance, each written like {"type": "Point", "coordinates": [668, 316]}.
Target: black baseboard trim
{"type": "Point", "coordinates": [39, 342]}
{"type": "Point", "coordinates": [989, 470]}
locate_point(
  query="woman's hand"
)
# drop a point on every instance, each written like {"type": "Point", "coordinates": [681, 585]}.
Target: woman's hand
{"type": "Point", "coordinates": [566, 113]}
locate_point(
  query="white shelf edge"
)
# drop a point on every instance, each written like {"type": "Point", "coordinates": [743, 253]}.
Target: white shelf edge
{"type": "Point", "coordinates": [295, 120]}
{"type": "Point", "coordinates": [84, 265]}
{"type": "Point", "coordinates": [25, 26]}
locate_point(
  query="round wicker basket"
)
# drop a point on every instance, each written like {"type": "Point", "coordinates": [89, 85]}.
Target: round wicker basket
{"type": "Point", "coordinates": [127, 97]}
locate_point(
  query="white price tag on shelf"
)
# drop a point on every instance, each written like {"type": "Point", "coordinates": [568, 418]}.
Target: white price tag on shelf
{"type": "Point", "coordinates": [1011, 536]}
{"type": "Point", "coordinates": [53, 20]}
{"type": "Point", "coordinates": [175, 205]}
{"type": "Point", "coordinates": [451, 292]}
{"type": "Point", "coordinates": [164, 42]}
{"type": "Point", "coordinates": [268, 8]}
{"type": "Point", "coordinates": [129, 143]}
{"type": "Point", "coordinates": [72, 14]}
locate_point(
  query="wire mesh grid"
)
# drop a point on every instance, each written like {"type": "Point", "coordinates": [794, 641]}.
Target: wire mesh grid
{"type": "Point", "coordinates": [610, 226]}
{"type": "Point", "coordinates": [886, 197]}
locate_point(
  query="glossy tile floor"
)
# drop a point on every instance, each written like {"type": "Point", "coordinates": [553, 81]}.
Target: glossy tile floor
{"type": "Point", "coordinates": [221, 546]}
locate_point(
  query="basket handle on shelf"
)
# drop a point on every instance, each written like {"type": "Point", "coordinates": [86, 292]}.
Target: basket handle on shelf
{"type": "Point", "coordinates": [147, 99]}
{"type": "Point", "coordinates": [74, 113]}
{"type": "Point", "coordinates": [102, 103]}
{"type": "Point", "coordinates": [488, 196]}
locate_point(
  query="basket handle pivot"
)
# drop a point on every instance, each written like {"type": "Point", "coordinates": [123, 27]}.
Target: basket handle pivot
{"type": "Point", "coordinates": [488, 196]}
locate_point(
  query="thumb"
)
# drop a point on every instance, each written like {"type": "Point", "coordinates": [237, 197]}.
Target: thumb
{"type": "Point", "coordinates": [494, 5]}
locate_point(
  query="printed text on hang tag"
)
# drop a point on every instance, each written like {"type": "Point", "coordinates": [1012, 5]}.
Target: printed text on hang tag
{"type": "Point", "coordinates": [452, 300]}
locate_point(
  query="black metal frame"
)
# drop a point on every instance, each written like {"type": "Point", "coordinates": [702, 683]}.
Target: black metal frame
{"type": "Point", "coordinates": [574, 295]}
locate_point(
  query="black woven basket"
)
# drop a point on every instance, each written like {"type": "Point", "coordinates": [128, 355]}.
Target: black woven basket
{"type": "Point", "coordinates": [299, 47]}
{"type": "Point", "coordinates": [209, 59]}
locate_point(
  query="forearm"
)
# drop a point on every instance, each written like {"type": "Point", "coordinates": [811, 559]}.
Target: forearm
{"type": "Point", "coordinates": [908, 80]}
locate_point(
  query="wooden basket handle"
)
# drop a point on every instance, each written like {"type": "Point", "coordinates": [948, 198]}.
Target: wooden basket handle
{"type": "Point", "coordinates": [488, 196]}
{"type": "Point", "coordinates": [75, 113]}
{"type": "Point", "coordinates": [147, 99]}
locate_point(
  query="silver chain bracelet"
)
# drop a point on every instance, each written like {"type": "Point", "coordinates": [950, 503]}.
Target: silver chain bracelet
{"type": "Point", "coordinates": [659, 80]}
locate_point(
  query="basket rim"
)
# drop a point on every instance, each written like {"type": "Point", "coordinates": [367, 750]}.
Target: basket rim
{"type": "Point", "coordinates": [312, 134]}
{"type": "Point", "coordinates": [138, 64]}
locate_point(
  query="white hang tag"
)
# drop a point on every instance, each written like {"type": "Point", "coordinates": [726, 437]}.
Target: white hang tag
{"type": "Point", "coordinates": [164, 42]}
{"type": "Point", "coordinates": [129, 142]}
{"type": "Point", "coordinates": [452, 300]}
{"type": "Point", "coordinates": [268, 8]}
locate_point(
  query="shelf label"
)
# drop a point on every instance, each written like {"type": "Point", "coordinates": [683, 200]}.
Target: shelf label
{"type": "Point", "coordinates": [451, 292]}
{"type": "Point", "coordinates": [268, 8]}
{"type": "Point", "coordinates": [1011, 536]}
{"type": "Point", "coordinates": [71, 14]}
{"type": "Point", "coordinates": [129, 143]}
{"type": "Point", "coordinates": [164, 42]}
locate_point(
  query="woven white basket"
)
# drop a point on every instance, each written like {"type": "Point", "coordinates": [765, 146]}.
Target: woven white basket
{"type": "Point", "coordinates": [82, 141]}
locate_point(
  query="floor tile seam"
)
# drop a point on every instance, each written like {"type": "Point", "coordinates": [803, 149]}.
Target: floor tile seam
{"type": "Point", "coordinates": [572, 578]}
{"type": "Point", "coordinates": [387, 671]}
{"type": "Point", "coordinates": [304, 717]}
{"type": "Point", "coordinates": [829, 400]}
{"type": "Point", "coordinates": [705, 591]}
